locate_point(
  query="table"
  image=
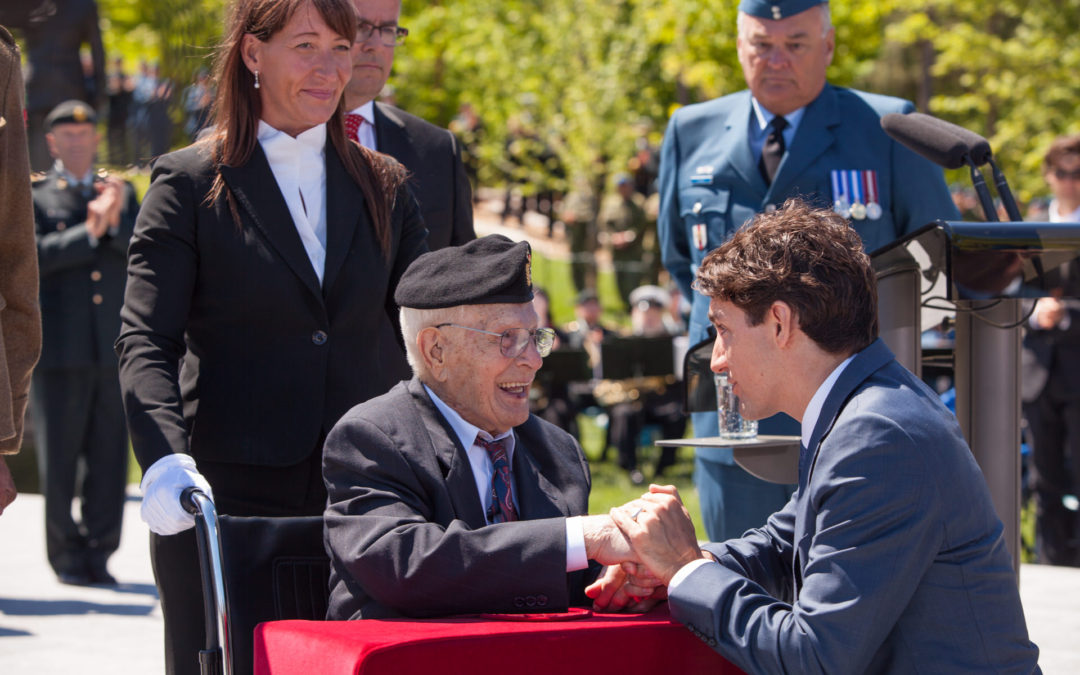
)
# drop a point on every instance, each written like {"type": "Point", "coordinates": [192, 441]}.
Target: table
{"type": "Point", "coordinates": [597, 644]}
{"type": "Point", "coordinates": [771, 458]}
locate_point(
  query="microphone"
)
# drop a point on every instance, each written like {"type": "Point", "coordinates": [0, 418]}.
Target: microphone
{"type": "Point", "coordinates": [980, 153]}
{"type": "Point", "coordinates": [921, 134]}
{"type": "Point", "coordinates": [947, 145]}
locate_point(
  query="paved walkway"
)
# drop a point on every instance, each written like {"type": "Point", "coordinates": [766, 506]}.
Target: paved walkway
{"type": "Point", "coordinates": [47, 628]}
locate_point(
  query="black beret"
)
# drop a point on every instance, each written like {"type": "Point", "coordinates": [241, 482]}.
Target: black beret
{"type": "Point", "coordinates": [485, 271]}
{"type": "Point", "coordinates": [71, 112]}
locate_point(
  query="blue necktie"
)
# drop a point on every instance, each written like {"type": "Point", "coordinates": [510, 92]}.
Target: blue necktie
{"type": "Point", "coordinates": [502, 487]}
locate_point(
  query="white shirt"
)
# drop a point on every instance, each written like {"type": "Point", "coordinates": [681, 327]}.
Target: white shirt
{"type": "Point", "coordinates": [366, 133]}
{"type": "Point", "coordinates": [483, 471]}
{"type": "Point", "coordinates": [299, 167]}
{"type": "Point", "coordinates": [759, 125]}
{"type": "Point", "coordinates": [1056, 216]}
{"type": "Point", "coordinates": [809, 421]}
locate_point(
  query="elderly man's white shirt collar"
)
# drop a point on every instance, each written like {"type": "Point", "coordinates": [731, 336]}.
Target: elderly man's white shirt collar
{"type": "Point", "coordinates": [366, 132]}
{"type": "Point", "coordinates": [299, 167]}
{"type": "Point", "coordinates": [813, 410]}
{"type": "Point", "coordinates": [479, 460]}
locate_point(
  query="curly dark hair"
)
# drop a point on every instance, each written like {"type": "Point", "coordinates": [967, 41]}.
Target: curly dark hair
{"type": "Point", "coordinates": [809, 258]}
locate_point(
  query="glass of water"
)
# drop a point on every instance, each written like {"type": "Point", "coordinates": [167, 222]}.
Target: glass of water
{"type": "Point", "coordinates": [732, 424]}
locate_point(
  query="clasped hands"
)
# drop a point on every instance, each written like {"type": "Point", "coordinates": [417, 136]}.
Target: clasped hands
{"type": "Point", "coordinates": [642, 544]}
{"type": "Point", "coordinates": [103, 212]}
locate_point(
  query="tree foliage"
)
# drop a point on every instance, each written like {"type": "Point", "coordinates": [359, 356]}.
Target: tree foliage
{"type": "Point", "coordinates": [588, 75]}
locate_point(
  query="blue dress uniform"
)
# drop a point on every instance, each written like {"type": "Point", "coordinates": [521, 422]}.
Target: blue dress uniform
{"type": "Point", "coordinates": [75, 394]}
{"type": "Point", "coordinates": [710, 184]}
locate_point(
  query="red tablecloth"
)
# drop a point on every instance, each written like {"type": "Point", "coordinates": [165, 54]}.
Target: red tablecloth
{"type": "Point", "coordinates": [598, 645]}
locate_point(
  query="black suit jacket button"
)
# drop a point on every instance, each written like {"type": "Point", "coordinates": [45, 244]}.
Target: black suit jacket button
{"type": "Point", "coordinates": [541, 600]}
{"type": "Point", "coordinates": [712, 642]}
{"type": "Point", "coordinates": [319, 337]}
{"type": "Point", "coordinates": [530, 601]}
{"type": "Point", "coordinates": [519, 602]}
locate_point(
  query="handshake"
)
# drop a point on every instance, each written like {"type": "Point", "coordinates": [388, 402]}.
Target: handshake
{"type": "Point", "coordinates": [642, 545]}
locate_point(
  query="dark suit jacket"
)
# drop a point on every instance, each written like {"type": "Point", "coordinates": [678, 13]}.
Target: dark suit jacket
{"type": "Point", "coordinates": [405, 529]}
{"type": "Point", "coordinates": [1052, 357]}
{"type": "Point", "coordinates": [82, 285]}
{"type": "Point", "coordinates": [229, 348]}
{"type": "Point", "coordinates": [433, 157]}
{"type": "Point", "coordinates": [888, 559]}
{"type": "Point", "coordinates": [52, 49]}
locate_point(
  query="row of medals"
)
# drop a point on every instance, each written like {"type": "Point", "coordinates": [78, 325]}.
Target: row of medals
{"type": "Point", "coordinates": [858, 210]}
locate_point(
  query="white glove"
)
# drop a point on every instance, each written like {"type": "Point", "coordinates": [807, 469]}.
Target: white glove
{"type": "Point", "coordinates": [162, 485]}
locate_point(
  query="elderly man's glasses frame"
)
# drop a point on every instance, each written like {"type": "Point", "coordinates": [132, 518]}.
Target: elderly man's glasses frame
{"type": "Point", "coordinates": [390, 35]}
{"type": "Point", "coordinates": [513, 341]}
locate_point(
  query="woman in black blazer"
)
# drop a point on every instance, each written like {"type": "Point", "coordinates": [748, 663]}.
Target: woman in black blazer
{"type": "Point", "coordinates": [260, 274]}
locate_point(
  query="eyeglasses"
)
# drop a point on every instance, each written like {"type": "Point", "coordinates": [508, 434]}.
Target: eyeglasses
{"type": "Point", "coordinates": [1062, 174]}
{"type": "Point", "coordinates": [513, 341]}
{"type": "Point", "coordinates": [389, 34]}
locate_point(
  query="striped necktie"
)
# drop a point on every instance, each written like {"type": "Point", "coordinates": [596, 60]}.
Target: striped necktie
{"type": "Point", "coordinates": [502, 487]}
{"type": "Point", "coordinates": [773, 150]}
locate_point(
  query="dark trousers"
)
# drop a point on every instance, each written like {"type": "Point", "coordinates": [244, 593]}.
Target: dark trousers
{"type": "Point", "coordinates": [81, 440]}
{"type": "Point", "coordinates": [239, 490]}
{"type": "Point", "coordinates": [1054, 422]}
{"type": "Point", "coordinates": [628, 419]}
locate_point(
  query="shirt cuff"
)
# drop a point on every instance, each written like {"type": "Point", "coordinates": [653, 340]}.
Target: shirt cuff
{"type": "Point", "coordinates": [576, 558]}
{"type": "Point", "coordinates": [685, 571]}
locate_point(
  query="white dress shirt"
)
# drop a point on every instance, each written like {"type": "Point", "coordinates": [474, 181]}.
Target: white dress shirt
{"type": "Point", "coordinates": [483, 472]}
{"type": "Point", "coordinates": [366, 133]}
{"type": "Point", "coordinates": [299, 167]}
{"type": "Point", "coordinates": [809, 420]}
{"type": "Point", "coordinates": [1056, 216]}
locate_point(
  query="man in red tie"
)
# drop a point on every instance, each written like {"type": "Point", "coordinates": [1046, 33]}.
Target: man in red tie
{"type": "Point", "coordinates": [431, 154]}
{"type": "Point", "coordinates": [446, 496]}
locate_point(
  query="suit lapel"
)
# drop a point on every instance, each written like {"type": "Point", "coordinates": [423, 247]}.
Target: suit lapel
{"type": "Point", "coordinates": [862, 366]}
{"type": "Point", "coordinates": [254, 184]}
{"type": "Point", "coordinates": [390, 133]}
{"type": "Point", "coordinates": [452, 458]}
{"type": "Point", "coordinates": [345, 209]}
{"type": "Point", "coordinates": [537, 498]}
{"type": "Point", "coordinates": [813, 137]}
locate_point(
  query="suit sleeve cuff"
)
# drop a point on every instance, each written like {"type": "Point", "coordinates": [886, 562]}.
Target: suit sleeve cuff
{"type": "Point", "coordinates": [686, 570]}
{"type": "Point", "coordinates": [576, 558]}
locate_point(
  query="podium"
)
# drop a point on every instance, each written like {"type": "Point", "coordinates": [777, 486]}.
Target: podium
{"type": "Point", "coordinates": [991, 272]}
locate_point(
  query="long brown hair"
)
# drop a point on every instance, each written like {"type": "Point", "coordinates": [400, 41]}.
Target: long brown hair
{"type": "Point", "coordinates": [237, 108]}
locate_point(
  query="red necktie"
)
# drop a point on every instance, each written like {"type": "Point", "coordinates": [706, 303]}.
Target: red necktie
{"type": "Point", "coordinates": [502, 488]}
{"type": "Point", "coordinates": [352, 125]}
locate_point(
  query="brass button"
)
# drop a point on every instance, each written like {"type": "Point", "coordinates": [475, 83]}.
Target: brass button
{"type": "Point", "coordinates": [60, 227]}
{"type": "Point", "coordinates": [95, 275]}
{"type": "Point", "coordinates": [98, 299]}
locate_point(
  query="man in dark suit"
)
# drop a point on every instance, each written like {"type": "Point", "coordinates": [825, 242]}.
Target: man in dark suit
{"type": "Point", "coordinates": [724, 160]}
{"type": "Point", "coordinates": [83, 222]}
{"type": "Point", "coordinates": [446, 495]}
{"type": "Point", "coordinates": [54, 36]}
{"type": "Point", "coordinates": [431, 154]}
{"type": "Point", "coordinates": [1051, 377]}
{"type": "Point", "coordinates": [890, 557]}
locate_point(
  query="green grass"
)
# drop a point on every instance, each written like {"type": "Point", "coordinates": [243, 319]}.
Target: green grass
{"type": "Point", "coordinates": [611, 485]}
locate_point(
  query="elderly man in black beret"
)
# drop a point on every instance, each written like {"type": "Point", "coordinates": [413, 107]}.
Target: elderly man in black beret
{"type": "Point", "coordinates": [445, 495]}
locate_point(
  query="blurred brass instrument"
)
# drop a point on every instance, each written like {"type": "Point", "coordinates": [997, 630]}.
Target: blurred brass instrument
{"type": "Point", "coordinates": [629, 390]}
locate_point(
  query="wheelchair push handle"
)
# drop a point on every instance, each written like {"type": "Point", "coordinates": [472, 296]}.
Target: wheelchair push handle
{"type": "Point", "coordinates": [191, 499]}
